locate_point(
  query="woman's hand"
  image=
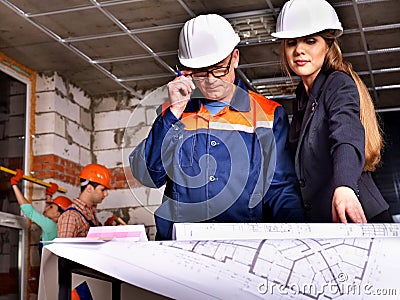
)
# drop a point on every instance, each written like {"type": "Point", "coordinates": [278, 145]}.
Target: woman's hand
{"type": "Point", "coordinates": [345, 203]}
{"type": "Point", "coordinates": [17, 177]}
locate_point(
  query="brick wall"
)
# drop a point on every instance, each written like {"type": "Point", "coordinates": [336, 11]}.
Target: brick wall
{"type": "Point", "coordinates": [56, 168]}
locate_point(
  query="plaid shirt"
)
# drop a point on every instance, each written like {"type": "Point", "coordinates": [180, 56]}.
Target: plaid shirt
{"type": "Point", "coordinates": [72, 224]}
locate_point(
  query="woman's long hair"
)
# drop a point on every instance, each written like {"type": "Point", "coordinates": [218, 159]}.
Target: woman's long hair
{"type": "Point", "coordinates": [373, 133]}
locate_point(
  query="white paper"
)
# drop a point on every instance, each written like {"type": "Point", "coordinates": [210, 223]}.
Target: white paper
{"type": "Point", "coordinates": [239, 231]}
{"type": "Point", "coordinates": [76, 240]}
{"type": "Point", "coordinates": [131, 232]}
{"type": "Point", "coordinates": [100, 234]}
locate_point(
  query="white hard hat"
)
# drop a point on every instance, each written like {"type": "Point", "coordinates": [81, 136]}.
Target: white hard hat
{"type": "Point", "coordinates": [206, 40]}
{"type": "Point", "coordinates": [300, 18]}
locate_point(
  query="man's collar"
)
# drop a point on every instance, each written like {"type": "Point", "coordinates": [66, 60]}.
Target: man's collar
{"type": "Point", "coordinates": [240, 101]}
{"type": "Point", "coordinates": [81, 203]}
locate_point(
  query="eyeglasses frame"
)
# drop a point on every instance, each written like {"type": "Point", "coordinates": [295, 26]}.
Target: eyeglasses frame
{"type": "Point", "coordinates": [227, 67]}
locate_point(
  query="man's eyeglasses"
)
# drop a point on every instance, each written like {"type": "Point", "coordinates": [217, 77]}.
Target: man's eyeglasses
{"type": "Point", "coordinates": [215, 71]}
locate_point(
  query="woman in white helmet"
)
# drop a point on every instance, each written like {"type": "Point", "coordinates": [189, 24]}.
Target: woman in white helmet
{"type": "Point", "coordinates": [219, 147]}
{"type": "Point", "coordinates": [334, 134]}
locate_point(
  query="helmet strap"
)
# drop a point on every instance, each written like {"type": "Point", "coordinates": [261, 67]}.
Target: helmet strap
{"type": "Point", "coordinates": [84, 183]}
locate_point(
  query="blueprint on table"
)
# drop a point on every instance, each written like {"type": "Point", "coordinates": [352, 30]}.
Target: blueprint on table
{"type": "Point", "coordinates": [296, 268]}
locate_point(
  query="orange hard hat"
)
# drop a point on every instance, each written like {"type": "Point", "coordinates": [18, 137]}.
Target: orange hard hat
{"type": "Point", "coordinates": [97, 173]}
{"type": "Point", "coordinates": [61, 201]}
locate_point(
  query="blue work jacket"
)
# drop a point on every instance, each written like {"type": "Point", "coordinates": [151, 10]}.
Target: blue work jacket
{"type": "Point", "coordinates": [234, 166]}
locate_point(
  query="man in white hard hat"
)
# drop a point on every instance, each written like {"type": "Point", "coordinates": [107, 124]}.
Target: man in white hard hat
{"type": "Point", "coordinates": [219, 147]}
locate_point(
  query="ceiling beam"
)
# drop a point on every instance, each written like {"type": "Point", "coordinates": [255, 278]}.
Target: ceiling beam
{"type": "Point", "coordinates": [57, 38]}
{"type": "Point", "coordinates": [365, 46]}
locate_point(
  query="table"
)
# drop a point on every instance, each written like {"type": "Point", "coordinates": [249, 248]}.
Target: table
{"type": "Point", "coordinates": [67, 267]}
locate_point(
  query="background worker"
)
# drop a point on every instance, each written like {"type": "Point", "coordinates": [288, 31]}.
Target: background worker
{"type": "Point", "coordinates": [334, 134]}
{"type": "Point", "coordinates": [77, 220]}
{"type": "Point", "coordinates": [219, 147]}
{"type": "Point", "coordinates": [53, 210]}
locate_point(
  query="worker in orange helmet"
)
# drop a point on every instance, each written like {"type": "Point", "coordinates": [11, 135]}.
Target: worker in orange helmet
{"type": "Point", "coordinates": [77, 220]}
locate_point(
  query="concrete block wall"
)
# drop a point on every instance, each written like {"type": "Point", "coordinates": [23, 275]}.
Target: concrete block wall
{"type": "Point", "coordinates": [61, 145]}
{"type": "Point", "coordinates": [62, 134]}
{"type": "Point", "coordinates": [120, 123]}
{"type": "Point", "coordinates": [69, 130]}
{"type": "Point", "coordinates": [72, 130]}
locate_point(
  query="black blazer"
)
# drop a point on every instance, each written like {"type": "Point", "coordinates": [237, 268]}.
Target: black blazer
{"type": "Point", "coordinates": [328, 141]}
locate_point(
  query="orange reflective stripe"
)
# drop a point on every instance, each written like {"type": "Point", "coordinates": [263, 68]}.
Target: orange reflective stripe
{"type": "Point", "coordinates": [260, 115]}
{"type": "Point", "coordinates": [164, 107]}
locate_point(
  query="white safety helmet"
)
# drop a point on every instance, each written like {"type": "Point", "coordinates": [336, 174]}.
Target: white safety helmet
{"type": "Point", "coordinates": [300, 18]}
{"type": "Point", "coordinates": [206, 40]}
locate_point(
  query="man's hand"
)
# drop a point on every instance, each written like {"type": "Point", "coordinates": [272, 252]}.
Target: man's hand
{"type": "Point", "coordinates": [179, 90]}
{"type": "Point", "coordinates": [345, 202]}
{"type": "Point", "coordinates": [111, 221]}
{"type": "Point", "coordinates": [114, 220]}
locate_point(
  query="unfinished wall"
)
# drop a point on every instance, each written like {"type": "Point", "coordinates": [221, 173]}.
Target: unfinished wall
{"type": "Point", "coordinates": [120, 123]}
{"type": "Point", "coordinates": [62, 136]}
{"type": "Point", "coordinates": [72, 130]}
{"type": "Point", "coordinates": [61, 145]}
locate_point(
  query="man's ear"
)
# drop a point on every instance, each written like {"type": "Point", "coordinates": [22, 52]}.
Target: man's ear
{"type": "Point", "coordinates": [89, 188]}
{"type": "Point", "coordinates": [235, 58]}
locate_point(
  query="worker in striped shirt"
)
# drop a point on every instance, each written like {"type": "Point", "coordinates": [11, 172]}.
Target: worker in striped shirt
{"type": "Point", "coordinates": [77, 220]}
